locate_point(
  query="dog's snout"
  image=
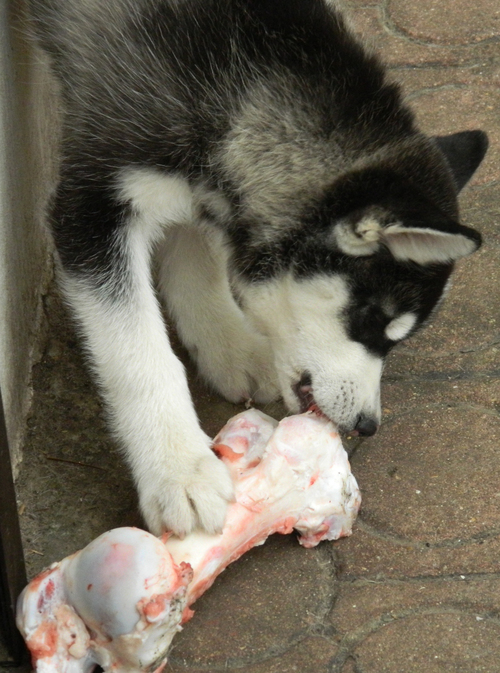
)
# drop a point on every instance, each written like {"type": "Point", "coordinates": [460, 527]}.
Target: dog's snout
{"type": "Point", "coordinates": [365, 427]}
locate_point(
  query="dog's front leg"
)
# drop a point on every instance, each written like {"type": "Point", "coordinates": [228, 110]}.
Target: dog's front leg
{"type": "Point", "coordinates": [231, 355]}
{"type": "Point", "coordinates": [181, 483]}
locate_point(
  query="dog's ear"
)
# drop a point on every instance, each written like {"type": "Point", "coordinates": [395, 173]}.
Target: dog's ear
{"type": "Point", "coordinates": [442, 242]}
{"type": "Point", "coordinates": [377, 208]}
{"type": "Point", "coordinates": [464, 152]}
{"type": "Point", "coordinates": [429, 246]}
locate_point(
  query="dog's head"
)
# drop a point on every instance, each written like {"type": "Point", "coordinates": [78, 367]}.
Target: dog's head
{"type": "Point", "coordinates": [366, 268]}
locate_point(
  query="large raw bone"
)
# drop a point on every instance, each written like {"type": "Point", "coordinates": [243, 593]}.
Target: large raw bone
{"type": "Point", "coordinates": [118, 602]}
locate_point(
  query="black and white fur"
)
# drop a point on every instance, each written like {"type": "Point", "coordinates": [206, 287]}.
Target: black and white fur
{"type": "Point", "coordinates": [302, 224]}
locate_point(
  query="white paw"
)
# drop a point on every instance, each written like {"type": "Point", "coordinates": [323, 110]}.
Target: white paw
{"type": "Point", "coordinates": [263, 372]}
{"type": "Point", "coordinates": [240, 368]}
{"type": "Point", "coordinates": [181, 496]}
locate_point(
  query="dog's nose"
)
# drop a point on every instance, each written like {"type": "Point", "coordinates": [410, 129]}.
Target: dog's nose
{"type": "Point", "coordinates": [366, 426]}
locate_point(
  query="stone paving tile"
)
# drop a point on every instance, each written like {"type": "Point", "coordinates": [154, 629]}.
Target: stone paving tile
{"type": "Point", "coordinates": [310, 654]}
{"type": "Point", "coordinates": [434, 641]}
{"type": "Point", "coordinates": [412, 476]}
{"type": "Point", "coordinates": [431, 497]}
{"type": "Point", "coordinates": [415, 81]}
{"type": "Point", "coordinates": [480, 206]}
{"type": "Point", "coordinates": [401, 50]}
{"type": "Point", "coordinates": [375, 555]}
{"type": "Point", "coordinates": [270, 600]}
{"type": "Point", "coordinates": [411, 365]}
{"type": "Point", "coordinates": [447, 624]}
{"type": "Point", "coordinates": [482, 363]}
{"type": "Point", "coordinates": [447, 99]}
{"type": "Point", "coordinates": [458, 107]}
{"type": "Point", "coordinates": [363, 602]}
{"type": "Point", "coordinates": [401, 397]}
{"type": "Point", "coordinates": [73, 484]}
{"type": "Point", "coordinates": [466, 321]}
{"type": "Point", "coordinates": [417, 359]}
{"type": "Point", "coordinates": [434, 22]}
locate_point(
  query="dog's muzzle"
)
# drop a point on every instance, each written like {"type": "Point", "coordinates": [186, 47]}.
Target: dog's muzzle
{"type": "Point", "coordinates": [303, 390]}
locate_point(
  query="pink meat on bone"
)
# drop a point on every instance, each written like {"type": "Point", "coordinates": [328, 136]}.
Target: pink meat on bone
{"type": "Point", "coordinates": [119, 602]}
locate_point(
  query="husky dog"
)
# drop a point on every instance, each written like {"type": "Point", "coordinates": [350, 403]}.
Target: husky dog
{"type": "Point", "coordinates": [303, 224]}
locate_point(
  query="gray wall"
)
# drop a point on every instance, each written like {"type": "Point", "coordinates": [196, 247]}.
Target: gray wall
{"type": "Point", "coordinates": [28, 123]}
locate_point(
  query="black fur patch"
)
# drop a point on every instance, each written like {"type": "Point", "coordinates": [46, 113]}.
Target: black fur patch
{"type": "Point", "coordinates": [377, 283]}
{"type": "Point", "coordinates": [86, 223]}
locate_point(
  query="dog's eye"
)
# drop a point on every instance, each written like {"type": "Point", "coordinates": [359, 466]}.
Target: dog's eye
{"type": "Point", "coordinates": [367, 325]}
{"type": "Point", "coordinates": [374, 316]}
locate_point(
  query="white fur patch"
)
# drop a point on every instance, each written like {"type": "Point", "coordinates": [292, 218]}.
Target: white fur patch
{"type": "Point", "coordinates": [400, 327]}
{"type": "Point", "coordinates": [160, 199]}
{"type": "Point", "coordinates": [359, 240]}
{"type": "Point", "coordinates": [234, 358]}
{"type": "Point", "coordinates": [306, 327]}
